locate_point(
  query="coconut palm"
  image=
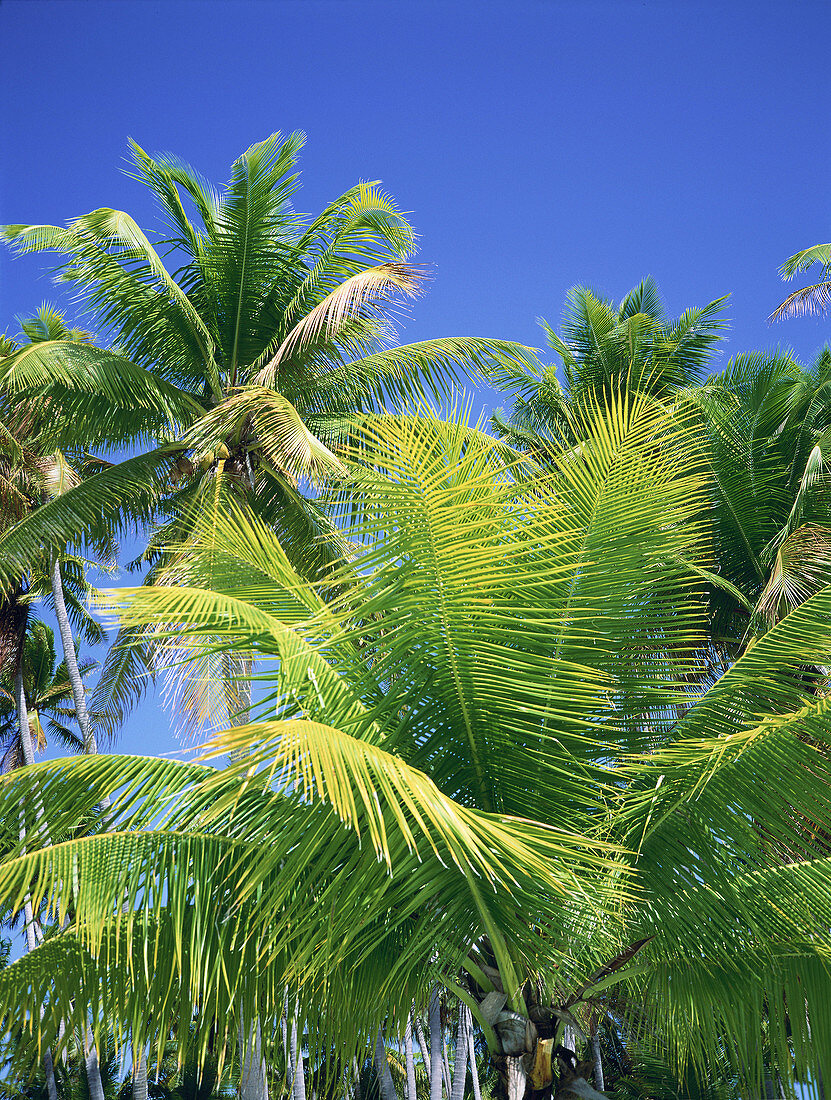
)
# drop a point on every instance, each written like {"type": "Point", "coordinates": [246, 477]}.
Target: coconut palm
{"type": "Point", "coordinates": [812, 299]}
{"type": "Point", "coordinates": [70, 1074]}
{"type": "Point", "coordinates": [29, 476]}
{"type": "Point", "coordinates": [244, 362]}
{"type": "Point", "coordinates": [469, 768]}
{"type": "Point", "coordinates": [33, 475]}
{"type": "Point", "coordinates": [765, 431]}
{"type": "Point", "coordinates": [48, 695]}
{"type": "Point", "coordinates": [602, 346]}
{"type": "Point", "coordinates": [763, 435]}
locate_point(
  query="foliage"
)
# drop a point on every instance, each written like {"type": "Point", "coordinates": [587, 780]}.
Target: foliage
{"type": "Point", "coordinates": [445, 750]}
{"type": "Point", "coordinates": [811, 299]}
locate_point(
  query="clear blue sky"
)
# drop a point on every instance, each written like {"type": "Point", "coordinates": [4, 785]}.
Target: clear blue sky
{"type": "Point", "coordinates": [536, 144]}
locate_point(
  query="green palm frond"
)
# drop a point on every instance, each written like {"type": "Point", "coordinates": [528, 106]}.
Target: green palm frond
{"type": "Point", "coordinates": [91, 510]}
{"type": "Point", "coordinates": [79, 380]}
{"type": "Point", "coordinates": [808, 300]}
{"type": "Point", "coordinates": [278, 433]}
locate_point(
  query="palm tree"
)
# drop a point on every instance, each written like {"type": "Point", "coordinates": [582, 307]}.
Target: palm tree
{"type": "Point", "coordinates": [602, 346]}
{"type": "Point", "coordinates": [173, 1079]}
{"type": "Point", "coordinates": [763, 434]}
{"type": "Point", "coordinates": [808, 300]}
{"type": "Point", "coordinates": [246, 362]}
{"type": "Point", "coordinates": [469, 769]}
{"type": "Point", "coordinates": [27, 475]}
{"type": "Point", "coordinates": [48, 696]}
{"type": "Point", "coordinates": [70, 1074]}
{"type": "Point", "coordinates": [32, 475]}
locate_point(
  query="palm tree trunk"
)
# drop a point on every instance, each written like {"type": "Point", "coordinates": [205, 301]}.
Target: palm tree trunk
{"type": "Point", "coordinates": [516, 1077]}
{"type": "Point", "coordinates": [434, 1016]}
{"type": "Point", "coordinates": [51, 1083]}
{"type": "Point", "coordinates": [140, 1077]}
{"type": "Point", "coordinates": [460, 1060]}
{"type": "Point", "coordinates": [70, 654]}
{"type": "Point", "coordinates": [356, 1075]}
{"type": "Point", "coordinates": [28, 912]}
{"type": "Point", "coordinates": [382, 1069]}
{"type": "Point", "coordinates": [96, 1088]}
{"type": "Point", "coordinates": [599, 1082]}
{"type": "Point", "coordinates": [474, 1072]}
{"type": "Point", "coordinates": [253, 1078]}
{"type": "Point", "coordinates": [253, 1084]}
{"type": "Point", "coordinates": [422, 1042]}
{"type": "Point", "coordinates": [26, 743]}
{"type": "Point", "coordinates": [298, 1088]}
{"type": "Point", "coordinates": [409, 1061]}
{"type": "Point", "coordinates": [569, 1038]}
{"type": "Point", "coordinates": [445, 1066]}
{"type": "Point", "coordinates": [284, 1028]}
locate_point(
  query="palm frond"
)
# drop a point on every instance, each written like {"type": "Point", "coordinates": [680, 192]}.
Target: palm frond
{"type": "Point", "coordinates": [118, 497]}
{"type": "Point", "coordinates": [362, 293]}
{"type": "Point", "coordinates": [808, 301]}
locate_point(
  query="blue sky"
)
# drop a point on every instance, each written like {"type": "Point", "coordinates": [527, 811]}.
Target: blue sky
{"type": "Point", "coordinates": [537, 145]}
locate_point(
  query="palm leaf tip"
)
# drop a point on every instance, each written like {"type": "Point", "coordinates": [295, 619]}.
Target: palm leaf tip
{"type": "Point", "coordinates": [360, 295]}
{"type": "Point", "coordinates": [807, 302]}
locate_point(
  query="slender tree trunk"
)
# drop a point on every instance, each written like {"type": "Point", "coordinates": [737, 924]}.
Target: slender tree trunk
{"type": "Point", "coordinates": [516, 1078]}
{"type": "Point", "coordinates": [569, 1038]}
{"type": "Point", "coordinates": [70, 654]}
{"type": "Point", "coordinates": [445, 1066]}
{"type": "Point", "coordinates": [460, 1060]}
{"type": "Point", "coordinates": [356, 1073]}
{"type": "Point", "coordinates": [599, 1083]}
{"type": "Point", "coordinates": [284, 1028]}
{"type": "Point", "coordinates": [434, 1016]}
{"type": "Point", "coordinates": [51, 1083]}
{"type": "Point", "coordinates": [140, 1077]}
{"type": "Point", "coordinates": [474, 1071]}
{"type": "Point", "coordinates": [298, 1089]}
{"type": "Point", "coordinates": [422, 1042]}
{"type": "Point", "coordinates": [28, 912]}
{"type": "Point", "coordinates": [409, 1061]}
{"type": "Point", "coordinates": [26, 743]}
{"type": "Point", "coordinates": [253, 1084]}
{"type": "Point", "coordinates": [96, 1089]}
{"type": "Point", "coordinates": [253, 1074]}
{"type": "Point", "coordinates": [382, 1068]}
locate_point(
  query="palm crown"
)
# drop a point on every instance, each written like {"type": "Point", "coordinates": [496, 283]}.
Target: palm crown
{"type": "Point", "coordinates": [247, 360]}
{"type": "Point", "coordinates": [48, 697]}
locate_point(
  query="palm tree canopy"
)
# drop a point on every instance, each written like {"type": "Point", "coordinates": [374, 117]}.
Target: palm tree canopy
{"type": "Point", "coordinates": [48, 697]}
{"type": "Point", "coordinates": [602, 346]}
{"type": "Point", "coordinates": [244, 334]}
{"type": "Point", "coordinates": [479, 736]}
{"type": "Point", "coordinates": [765, 438]}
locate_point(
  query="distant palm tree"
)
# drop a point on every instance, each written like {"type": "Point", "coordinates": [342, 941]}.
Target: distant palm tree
{"type": "Point", "coordinates": [31, 474]}
{"type": "Point", "coordinates": [600, 346]}
{"type": "Point", "coordinates": [808, 300]}
{"type": "Point", "coordinates": [48, 698]}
